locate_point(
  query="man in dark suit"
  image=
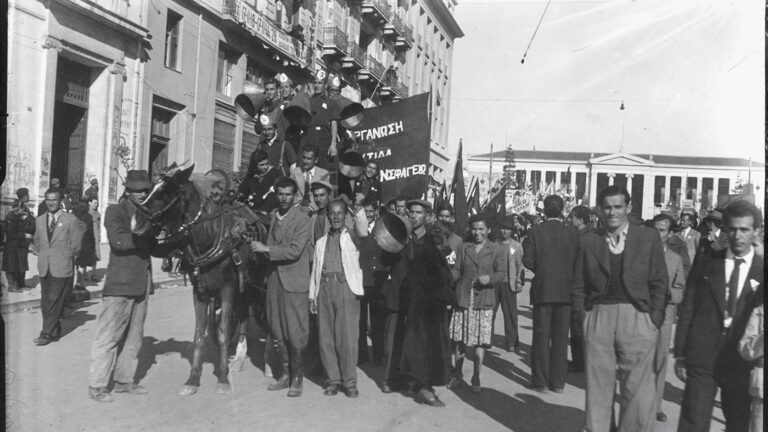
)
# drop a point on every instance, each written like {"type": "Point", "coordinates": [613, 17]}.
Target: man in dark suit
{"type": "Point", "coordinates": [57, 240]}
{"type": "Point", "coordinates": [549, 251]}
{"type": "Point", "coordinates": [621, 287]}
{"type": "Point", "coordinates": [722, 290]}
{"type": "Point", "coordinates": [288, 284]}
{"type": "Point", "coordinates": [125, 296]}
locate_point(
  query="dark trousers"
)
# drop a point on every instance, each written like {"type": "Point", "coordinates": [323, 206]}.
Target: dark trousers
{"type": "Point", "coordinates": [372, 305]}
{"type": "Point", "coordinates": [577, 340]}
{"type": "Point", "coordinates": [549, 355]}
{"type": "Point", "coordinates": [699, 399]}
{"type": "Point", "coordinates": [16, 280]}
{"type": "Point", "coordinates": [54, 294]}
{"type": "Point", "coordinates": [393, 335]}
{"type": "Point", "coordinates": [507, 300]}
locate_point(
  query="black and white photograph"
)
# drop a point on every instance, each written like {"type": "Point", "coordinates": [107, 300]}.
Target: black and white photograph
{"type": "Point", "coordinates": [383, 215]}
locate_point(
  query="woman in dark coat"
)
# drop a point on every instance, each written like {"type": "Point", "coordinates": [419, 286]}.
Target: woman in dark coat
{"type": "Point", "coordinates": [87, 256]}
{"type": "Point", "coordinates": [19, 230]}
{"type": "Point", "coordinates": [424, 295]}
{"type": "Point", "coordinates": [256, 188]}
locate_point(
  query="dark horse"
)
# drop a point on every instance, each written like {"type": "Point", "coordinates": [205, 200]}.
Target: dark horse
{"type": "Point", "coordinates": [214, 237]}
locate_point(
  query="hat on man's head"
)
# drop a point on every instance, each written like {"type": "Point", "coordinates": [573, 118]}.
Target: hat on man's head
{"type": "Point", "coordinates": [137, 180]}
{"type": "Point", "coordinates": [320, 75]}
{"type": "Point", "coordinates": [283, 78]}
{"type": "Point", "coordinates": [94, 181]}
{"type": "Point", "coordinates": [22, 192]}
{"type": "Point", "coordinates": [335, 82]}
{"type": "Point", "coordinates": [507, 222]}
{"type": "Point", "coordinates": [55, 183]}
{"type": "Point", "coordinates": [424, 203]}
{"type": "Point", "coordinates": [715, 215]}
{"type": "Point", "coordinates": [268, 119]}
{"type": "Point", "coordinates": [322, 183]}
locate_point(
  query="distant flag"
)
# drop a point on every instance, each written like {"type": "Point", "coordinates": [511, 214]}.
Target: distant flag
{"type": "Point", "coordinates": [474, 201]}
{"type": "Point", "coordinates": [459, 194]}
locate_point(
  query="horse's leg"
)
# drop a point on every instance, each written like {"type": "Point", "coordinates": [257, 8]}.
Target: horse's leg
{"type": "Point", "coordinates": [201, 326]}
{"type": "Point", "coordinates": [227, 304]}
{"type": "Point", "coordinates": [242, 342]}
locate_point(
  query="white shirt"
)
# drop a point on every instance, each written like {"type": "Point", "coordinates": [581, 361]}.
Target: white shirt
{"type": "Point", "coordinates": [743, 271]}
{"type": "Point", "coordinates": [616, 245]}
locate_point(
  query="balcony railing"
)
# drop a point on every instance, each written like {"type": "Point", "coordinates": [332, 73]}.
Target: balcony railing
{"type": "Point", "coordinates": [377, 10]}
{"type": "Point", "coordinates": [405, 41]}
{"type": "Point", "coordinates": [355, 58]}
{"type": "Point", "coordinates": [375, 67]}
{"type": "Point", "coordinates": [229, 8]}
{"type": "Point", "coordinates": [334, 41]}
{"type": "Point", "coordinates": [395, 27]}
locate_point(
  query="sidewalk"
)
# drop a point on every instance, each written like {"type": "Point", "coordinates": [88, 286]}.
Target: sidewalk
{"type": "Point", "coordinates": [30, 297]}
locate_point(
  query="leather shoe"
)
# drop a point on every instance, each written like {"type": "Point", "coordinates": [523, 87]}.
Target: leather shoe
{"type": "Point", "coordinates": [131, 388]}
{"type": "Point", "coordinates": [557, 390]}
{"type": "Point", "coordinates": [351, 392]}
{"type": "Point", "coordinates": [331, 390]}
{"type": "Point", "coordinates": [428, 398]}
{"type": "Point", "coordinates": [542, 390]}
{"type": "Point", "coordinates": [661, 417]}
{"type": "Point", "coordinates": [43, 340]}
{"type": "Point", "coordinates": [99, 394]}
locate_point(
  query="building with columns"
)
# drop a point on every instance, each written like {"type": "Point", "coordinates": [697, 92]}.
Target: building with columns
{"type": "Point", "coordinates": [655, 182]}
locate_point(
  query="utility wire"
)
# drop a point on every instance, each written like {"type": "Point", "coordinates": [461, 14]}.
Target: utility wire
{"type": "Point", "coordinates": [522, 61]}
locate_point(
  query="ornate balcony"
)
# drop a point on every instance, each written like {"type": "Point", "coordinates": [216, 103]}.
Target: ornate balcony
{"type": "Point", "coordinates": [406, 40]}
{"type": "Point", "coordinates": [395, 27]}
{"type": "Point", "coordinates": [355, 58]}
{"type": "Point", "coordinates": [388, 86]}
{"type": "Point", "coordinates": [334, 42]}
{"type": "Point", "coordinates": [372, 70]}
{"type": "Point", "coordinates": [376, 10]}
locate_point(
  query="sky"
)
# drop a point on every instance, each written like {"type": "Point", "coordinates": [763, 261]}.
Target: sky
{"type": "Point", "coordinates": [689, 72]}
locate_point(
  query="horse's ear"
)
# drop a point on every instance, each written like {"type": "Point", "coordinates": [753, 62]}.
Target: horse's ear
{"type": "Point", "coordinates": [184, 174]}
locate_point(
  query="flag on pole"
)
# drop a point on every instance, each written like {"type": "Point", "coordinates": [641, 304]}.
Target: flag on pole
{"type": "Point", "coordinates": [459, 194]}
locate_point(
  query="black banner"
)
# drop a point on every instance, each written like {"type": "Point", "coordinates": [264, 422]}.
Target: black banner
{"type": "Point", "coordinates": [396, 135]}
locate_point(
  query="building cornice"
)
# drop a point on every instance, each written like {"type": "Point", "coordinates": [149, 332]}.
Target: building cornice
{"type": "Point", "coordinates": [108, 17]}
{"type": "Point", "coordinates": [445, 17]}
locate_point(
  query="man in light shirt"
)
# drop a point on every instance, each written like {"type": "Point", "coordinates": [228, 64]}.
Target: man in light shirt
{"type": "Point", "coordinates": [690, 236]}
{"type": "Point", "coordinates": [722, 290]}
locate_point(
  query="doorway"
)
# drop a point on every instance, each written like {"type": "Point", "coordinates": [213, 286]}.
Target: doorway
{"type": "Point", "coordinates": [70, 114]}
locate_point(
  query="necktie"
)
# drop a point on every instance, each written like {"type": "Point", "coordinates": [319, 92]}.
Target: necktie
{"type": "Point", "coordinates": [51, 226]}
{"type": "Point", "coordinates": [307, 188]}
{"type": "Point", "coordinates": [733, 287]}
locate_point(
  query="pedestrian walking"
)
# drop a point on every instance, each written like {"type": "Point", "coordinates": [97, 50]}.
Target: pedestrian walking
{"type": "Point", "coordinates": [288, 285]}
{"type": "Point", "coordinates": [87, 256]}
{"type": "Point", "coordinates": [723, 288]}
{"type": "Point", "coordinates": [57, 241]}
{"type": "Point", "coordinates": [93, 210]}
{"type": "Point", "coordinates": [120, 324]}
{"type": "Point", "coordinates": [506, 292]}
{"type": "Point", "coordinates": [483, 266]}
{"type": "Point", "coordinates": [579, 218]}
{"type": "Point", "coordinates": [550, 253]}
{"type": "Point", "coordinates": [621, 287]}
{"type": "Point", "coordinates": [334, 291]}
{"type": "Point", "coordinates": [19, 231]}
{"type": "Point", "coordinates": [676, 273]}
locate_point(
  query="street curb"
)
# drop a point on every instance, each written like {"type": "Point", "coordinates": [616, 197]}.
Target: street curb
{"type": "Point", "coordinates": [95, 293]}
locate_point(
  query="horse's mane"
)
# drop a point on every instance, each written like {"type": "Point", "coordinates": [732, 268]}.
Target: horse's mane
{"type": "Point", "coordinates": [206, 184]}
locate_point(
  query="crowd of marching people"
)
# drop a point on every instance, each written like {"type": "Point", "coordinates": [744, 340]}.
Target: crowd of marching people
{"type": "Point", "coordinates": [347, 264]}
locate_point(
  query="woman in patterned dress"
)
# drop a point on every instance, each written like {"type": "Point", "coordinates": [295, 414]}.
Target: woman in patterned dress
{"type": "Point", "coordinates": [483, 264]}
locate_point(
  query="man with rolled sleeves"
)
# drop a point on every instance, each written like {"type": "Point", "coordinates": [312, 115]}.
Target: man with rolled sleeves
{"type": "Point", "coordinates": [334, 293]}
{"type": "Point", "coordinates": [621, 287]}
{"type": "Point", "coordinates": [57, 240]}
{"type": "Point", "coordinates": [125, 296]}
{"type": "Point", "coordinates": [288, 284]}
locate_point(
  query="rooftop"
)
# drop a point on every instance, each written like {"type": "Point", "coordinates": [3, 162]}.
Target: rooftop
{"type": "Point", "coordinates": [521, 155]}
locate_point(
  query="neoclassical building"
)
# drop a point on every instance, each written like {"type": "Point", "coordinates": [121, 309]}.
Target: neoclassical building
{"type": "Point", "coordinates": [656, 182]}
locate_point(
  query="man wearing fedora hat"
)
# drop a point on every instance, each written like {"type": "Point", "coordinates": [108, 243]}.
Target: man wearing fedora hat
{"type": "Point", "coordinates": [125, 295]}
{"type": "Point", "coordinates": [19, 229]}
{"type": "Point", "coordinates": [57, 241]}
{"type": "Point", "coordinates": [715, 240]}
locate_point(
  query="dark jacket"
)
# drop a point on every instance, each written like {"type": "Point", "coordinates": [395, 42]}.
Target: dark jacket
{"type": "Point", "coordinates": [700, 337]}
{"type": "Point", "coordinates": [491, 261]}
{"type": "Point", "coordinates": [17, 224]}
{"type": "Point", "coordinates": [644, 272]}
{"type": "Point", "coordinates": [369, 187]}
{"type": "Point", "coordinates": [129, 270]}
{"type": "Point", "coordinates": [288, 242]}
{"type": "Point", "coordinates": [370, 261]}
{"type": "Point", "coordinates": [255, 191]}
{"type": "Point", "coordinates": [549, 251]}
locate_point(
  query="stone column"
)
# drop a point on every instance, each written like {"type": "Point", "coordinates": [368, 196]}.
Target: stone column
{"type": "Point", "coordinates": [53, 47]}
{"type": "Point", "coordinates": [666, 191]}
{"type": "Point", "coordinates": [592, 180]}
{"type": "Point", "coordinates": [573, 183]}
{"type": "Point", "coordinates": [558, 179]}
{"type": "Point", "coordinates": [611, 177]}
{"type": "Point", "coordinates": [629, 183]}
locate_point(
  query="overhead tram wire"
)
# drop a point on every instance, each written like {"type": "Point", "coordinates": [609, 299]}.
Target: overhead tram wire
{"type": "Point", "coordinates": [522, 61]}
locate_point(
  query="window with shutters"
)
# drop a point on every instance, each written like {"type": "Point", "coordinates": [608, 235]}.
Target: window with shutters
{"type": "Point", "coordinates": [224, 69]}
{"type": "Point", "coordinates": [173, 40]}
{"type": "Point", "coordinates": [223, 145]}
{"type": "Point", "coordinates": [250, 143]}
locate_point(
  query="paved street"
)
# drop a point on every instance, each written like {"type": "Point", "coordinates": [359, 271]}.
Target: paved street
{"type": "Point", "coordinates": [47, 387]}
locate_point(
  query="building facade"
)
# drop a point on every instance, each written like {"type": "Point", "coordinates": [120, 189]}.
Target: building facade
{"type": "Point", "coordinates": [97, 87]}
{"type": "Point", "coordinates": [655, 182]}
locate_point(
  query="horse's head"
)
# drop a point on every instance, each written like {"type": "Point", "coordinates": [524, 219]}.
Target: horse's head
{"type": "Point", "coordinates": [170, 201]}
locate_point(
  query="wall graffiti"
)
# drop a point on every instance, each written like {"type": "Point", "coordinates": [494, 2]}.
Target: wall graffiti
{"type": "Point", "coordinates": [20, 173]}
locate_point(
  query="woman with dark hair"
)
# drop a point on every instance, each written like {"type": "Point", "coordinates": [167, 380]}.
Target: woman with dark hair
{"type": "Point", "coordinates": [93, 210]}
{"type": "Point", "coordinates": [483, 265]}
{"type": "Point", "coordinates": [256, 188]}
{"type": "Point", "coordinates": [87, 256]}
